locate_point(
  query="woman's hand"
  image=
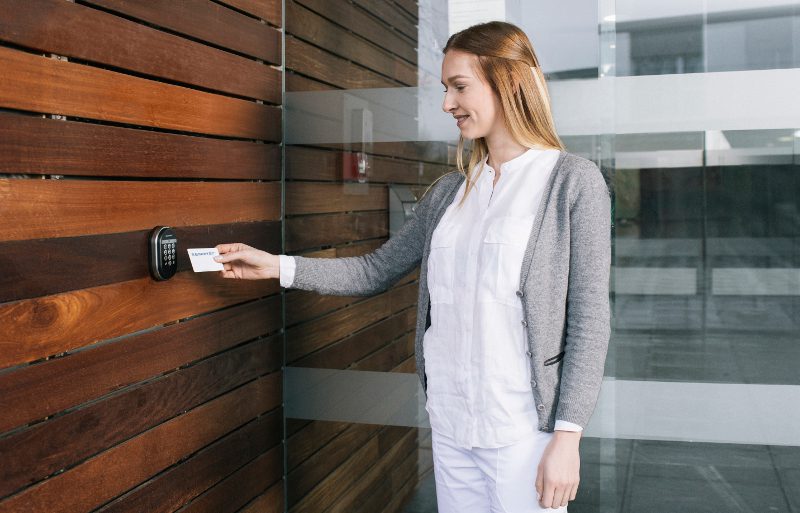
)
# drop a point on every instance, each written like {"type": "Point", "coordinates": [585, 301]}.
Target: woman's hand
{"type": "Point", "coordinates": [246, 263]}
{"type": "Point", "coordinates": [559, 470]}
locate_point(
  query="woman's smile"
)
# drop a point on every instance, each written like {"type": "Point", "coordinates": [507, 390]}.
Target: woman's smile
{"type": "Point", "coordinates": [460, 120]}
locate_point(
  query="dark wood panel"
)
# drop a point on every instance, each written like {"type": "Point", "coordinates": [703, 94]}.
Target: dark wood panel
{"type": "Point", "coordinates": [36, 145]}
{"type": "Point", "coordinates": [312, 336]}
{"type": "Point", "coordinates": [368, 27]}
{"type": "Point", "coordinates": [37, 328]}
{"type": "Point", "coordinates": [207, 21]}
{"type": "Point", "coordinates": [237, 490]}
{"type": "Point", "coordinates": [65, 208]}
{"type": "Point", "coordinates": [409, 6]}
{"type": "Point", "coordinates": [306, 25]}
{"type": "Point", "coordinates": [314, 62]}
{"type": "Point", "coordinates": [107, 475]}
{"type": "Point", "coordinates": [302, 442]}
{"type": "Point", "coordinates": [357, 495]}
{"type": "Point", "coordinates": [317, 198]}
{"type": "Point", "coordinates": [343, 354]}
{"type": "Point", "coordinates": [179, 485]}
{"type": "Point", "coordinates": [312, 471]}
{"type": "Point", "coordinates": [267, 10]}
{"type": "Point", "coordinates": [46, 447]}
{"type": "Point", "coordinates": [26, 394]}
{"type": "Point", "coordinates": [379, 494]}
{"type": "Point", "coordinates": [41, 84]}
{"type": "Point", "coordinates": [76, 31]}
{"type": "Point", "coordinates": [391, 15]}
{"type": "Point", "coordinates": [270, 501]}
{"type": "Point", "coordinates": [304, 163]}
{"type": "Point", "coordinates": [319, 230]}
{"type": "Point", "coordinates": [389, 356]}
{"type": "Point", "coordinates": [39, 267]}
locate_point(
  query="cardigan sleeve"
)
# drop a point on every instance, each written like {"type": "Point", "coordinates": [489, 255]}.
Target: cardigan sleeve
{"type": "Point", "coordinates": [588, 321]}
{"type": "Point", "coordinates": [374, 272]}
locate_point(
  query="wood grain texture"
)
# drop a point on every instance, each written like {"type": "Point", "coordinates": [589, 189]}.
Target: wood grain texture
{"type": "Point", "coordinates": [317, 198]}
{"type": "Point", "coordinates": [39, 267]}
{"type": "Point", "coordinates": [312, 471]}
{"type": "Point", "coordinates": [107, 475]}
{"type": "Point", "coordinates": [390, 14]}
{"type": "Point", "coordinates": [77, 31]}
{"type": "Point", "coordinates": [236, 490]}
{"type": "Point", "coordinates": [358, 21]}
{"type": "Point", "coordinates": [312, 336]}
{"type": "Point", "coordinates": [350, 352]}
{"type": "Point", "coordinates": [36, 145]}
{"type": "Point", "coordinates": [37, 328]}
{"type": "Point", "coordinates": [270, 501]}
{"type": "Point", "coordinates": [25, 394]}
{"type": "Point", "coordinates": [64, 441]}
{"type": "Point", "coordinates": [304, 163]}
{"type": "Point", "coordinates": [179, 485]}
{"type": "Point", "coordinates": [41, 84]}
{"type": "Point", "coordinates": [319, 230]}
{"type": "Point", "coordinates": [66, 208]}
{"type": "Point", "coordinates": [206, 21]}
{"type": "Point", "coordinates": [314, 62]}
{"type": "Point", "coordinates": [304, 24]}
{"type": "Point", "coordinates": [267, 10]}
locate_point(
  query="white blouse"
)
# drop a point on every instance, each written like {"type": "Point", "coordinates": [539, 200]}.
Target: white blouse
{"type": "Point", "coordinates": [476, 362]}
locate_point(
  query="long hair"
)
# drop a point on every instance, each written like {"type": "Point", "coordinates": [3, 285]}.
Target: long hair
{"type": "Point", "coordinates": [508, 63]}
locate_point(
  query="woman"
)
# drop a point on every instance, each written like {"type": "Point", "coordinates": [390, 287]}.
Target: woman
{"type": "Point", "coordinates": [513, 314]}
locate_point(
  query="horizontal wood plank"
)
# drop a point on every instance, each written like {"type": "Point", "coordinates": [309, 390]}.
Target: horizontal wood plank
{"type": "Point", "coordinates": [41, 84]}
{"type": "Point", "coordinates": [312, 336]}
{"type": "Point", "coordinates": [107, 475]}
{"type": "Point", "coordinates": [66, 208]}
{"type": "Point", "coordinates": [307, 25]}
{"type": "Point", "coordinates": [206, 21]}
{"type": "Point", "coordinates": [77, 31]}
{"type": "Point", "coordinates": [39, 267]}
{"type": "Point", "coordinates": [49, 446]}
{"type": "Point", "coordinates": [25, 394]}
{"type": "Point", "coordinates": [267, 10]}
{"type": "Point", "coordinates": [179, 485]}
{"type": "Point", "coordinates": [316, 198]}
{"type": "Point", "coordinates": [390, 14]}
{"type": "Point", "coordinates": [319, 230]}
{"type": "Point", "coordinates": [314, 62]}
{"type": "Point", "coordinates": [356, 20]}
{"type": "Point", "coordinates": [235, 491]}
{"type": "Point", "coordinates": [349, 352]}
{"type": "Point", "coordinates": [270, 501]}
{"type": "Point", "coordinates": [44, 146]}
{"type": "Point", "coordinates": [37, 328]}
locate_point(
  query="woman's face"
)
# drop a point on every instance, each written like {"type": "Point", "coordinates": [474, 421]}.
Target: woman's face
{"type": "Point", "coordinates": [468, 97]}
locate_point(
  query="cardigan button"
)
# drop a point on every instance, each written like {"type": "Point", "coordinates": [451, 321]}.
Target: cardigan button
{"type": "Point", "coordinates": [524, 322]}
{"type": "Point", "coordinates": [533, 383]}
{"type": "Point", "coordinates": [540, 407]}
{"type": "Point", "coordinates": [529, 354]}
{"type": "Point", "coordinates": [519, 293]}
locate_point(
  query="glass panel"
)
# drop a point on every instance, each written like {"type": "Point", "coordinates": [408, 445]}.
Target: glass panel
{"type": "Point", "coordinates": [689, 108]}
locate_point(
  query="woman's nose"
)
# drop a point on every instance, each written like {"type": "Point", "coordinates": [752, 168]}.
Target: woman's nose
{"type": "Point", "coordinates": [447, 105]}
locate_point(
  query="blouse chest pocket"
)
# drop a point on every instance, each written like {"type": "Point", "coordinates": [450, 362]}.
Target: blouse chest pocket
{"type": "Point", "coordinates": [441, 264]}
{"type": "Point", "coordinates": [502, 252]}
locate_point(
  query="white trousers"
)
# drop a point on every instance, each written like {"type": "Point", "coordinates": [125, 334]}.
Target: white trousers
{"type": "Point", "coordinates": [480, 480]}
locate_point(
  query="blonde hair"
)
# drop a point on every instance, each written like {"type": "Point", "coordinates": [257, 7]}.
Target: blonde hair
{"type": "Point", "coordinates": [508, 63]}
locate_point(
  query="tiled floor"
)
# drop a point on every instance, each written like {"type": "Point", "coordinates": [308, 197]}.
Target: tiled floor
{"type": "Point", "coordinates": [651, 476]}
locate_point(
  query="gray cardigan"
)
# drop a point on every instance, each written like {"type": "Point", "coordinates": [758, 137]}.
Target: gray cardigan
{"type": "Point", "coordinates": [564, 283]}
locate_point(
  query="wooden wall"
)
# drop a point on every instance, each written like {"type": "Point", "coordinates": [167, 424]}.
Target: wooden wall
{"type": "Point", "coordinates": [333, 466]}
{"type": "Point", "coordinates": [119, 393]}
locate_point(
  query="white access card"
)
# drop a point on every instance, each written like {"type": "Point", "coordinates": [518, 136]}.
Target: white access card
{"type": "Point", "coordinates": [203, 259]}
